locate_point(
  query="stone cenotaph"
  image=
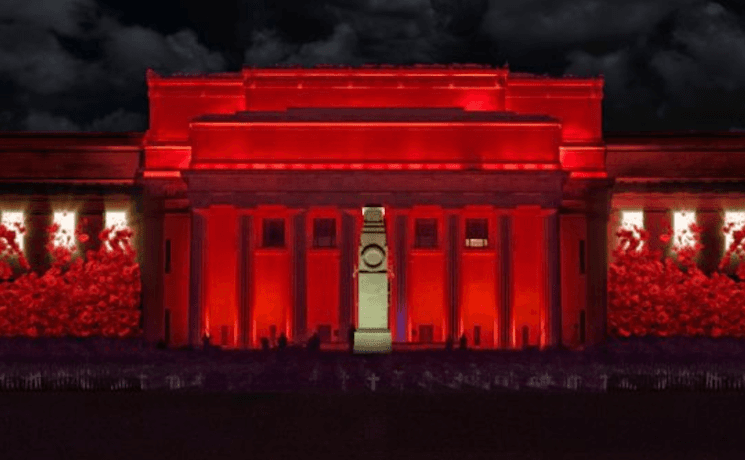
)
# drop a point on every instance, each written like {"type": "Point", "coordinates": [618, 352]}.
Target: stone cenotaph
{"type": "Point", "coordinates": [373, 334]}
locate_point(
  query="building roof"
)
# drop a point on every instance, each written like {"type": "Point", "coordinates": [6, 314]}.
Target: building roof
{"type": "Point", "coordinates": [47, 141]}
{"type": "Point", "coordinates": [377, 115]}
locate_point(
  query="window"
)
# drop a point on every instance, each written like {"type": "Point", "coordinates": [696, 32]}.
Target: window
{"type": "Point", "coordinates": [477, 233]}
{"type": "Point", "coordinates": [324, 233]}
{"type": "Point", "coordinates": [65, 235]}
{"type": "Point", "coordinates": [682, 221]}
{"type": "Point", "coordinates": [426, 233]}
{"type": "Point", "coordinates": [12, 220]}
{"type": "Point", "coordinates": [274, 233]}
{"type": "Point", "coordinates": [631, 219]}
{"type": "Point", "coordinates": [115, 220]}
{"type": "Point", "coordinates": [735, 220]}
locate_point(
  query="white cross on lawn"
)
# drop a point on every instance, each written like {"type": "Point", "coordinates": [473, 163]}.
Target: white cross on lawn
{"type": "Point", "coordinates": [373, 379]}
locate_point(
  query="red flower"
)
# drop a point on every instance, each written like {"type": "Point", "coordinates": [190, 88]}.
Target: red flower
{"type": "Point", "coordinates": [62, 300]}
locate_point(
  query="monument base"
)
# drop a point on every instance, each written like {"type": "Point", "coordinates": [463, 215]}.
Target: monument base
{"type": "Point", "coordinates": [373, 341]}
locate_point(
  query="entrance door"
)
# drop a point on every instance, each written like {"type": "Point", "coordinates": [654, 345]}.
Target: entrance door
{"type": "Point", "coordinates": [324, 333]}
{"type": "Point", "coordinates": [273, 334]}
{"type": "Point", "coordinates": [426, 333]}
{"type": "Point", "coordinates": [224, 335]}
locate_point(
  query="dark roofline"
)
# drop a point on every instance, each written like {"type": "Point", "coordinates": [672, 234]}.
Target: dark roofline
{"type": "Point", "coordinates": [72, 134]}
{"type": "Point", "coordinates": [685, 133]}
{"type": "Point", "coordinates": [135, 137]}
{"type": "Point", "coordinates": [30, 140]}
{"type": "Point", "coordinates": [387, 114]}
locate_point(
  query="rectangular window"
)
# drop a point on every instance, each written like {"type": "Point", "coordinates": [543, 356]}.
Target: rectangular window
{"type": "Point", "coordinates": [477, 233]}
{"type": "Point", "coordinates": [324, 233]}
{"type": "Point", "coordinates": [682, 221]}
{"type": "Point", "coordinates": [65, 235]}
{"type": "Point", "coordinates": [633, 220]}
{"type": "Point", "coordinates": [426, 233]}
{"type": "Point", "coordinates": [115, 220]}
{"type": "Point", "coordinates": [168, 256]}
{"type": "Point", "coordinates": [12, 220]}
{"type": "Point", "coordinates": [735, 220]}
{"type": "Point", "coordinates": [582, 257]}
{"type": "Point", "coordinates": [274, 233]}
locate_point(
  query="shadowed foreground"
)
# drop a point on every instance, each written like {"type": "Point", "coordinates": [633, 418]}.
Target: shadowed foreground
{"type": "Point", "coordinates": [515, 426]}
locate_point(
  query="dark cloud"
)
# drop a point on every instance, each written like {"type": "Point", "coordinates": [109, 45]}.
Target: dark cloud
{"type": "Point", "coordinates": [67, 66]}
{"type": "Point", "coordinates": [524, 25]}
{"type": "Point", "coordinates": [688, 72]}
{"type": "Point", "coordinates": [371, 31]}
{"type": "Point", "coordinates": [80, 64]}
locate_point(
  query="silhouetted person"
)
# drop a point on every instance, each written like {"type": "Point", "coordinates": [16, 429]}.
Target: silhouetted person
{"type": "Point", "coordinates": [463, 342]}
{"type": "Point", "coordinates": [350, 338]}
{"type": "Point", "coordinates": [282, 343]}
{"type": "Point", "coordinates": [206, 342]}
{"type": "Point", "coordinates": [449, 343]}
{"type": "Point", "coordinates": [265, 344]}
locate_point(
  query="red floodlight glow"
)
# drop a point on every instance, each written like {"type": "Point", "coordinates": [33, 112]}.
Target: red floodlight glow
{"type": "Point", "coordinates": [380, 166]}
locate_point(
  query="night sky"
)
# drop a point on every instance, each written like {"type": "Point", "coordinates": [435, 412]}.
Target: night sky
{"type": "Point", "coordinates": [79, 65]}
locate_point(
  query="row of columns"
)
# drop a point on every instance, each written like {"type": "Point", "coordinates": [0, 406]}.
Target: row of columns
{"type": "Point", "coordinates": [40, 216]}
{"type": "Point", "coordinates": [656, 221]}
{"type": "Point", "coordinates": [398, 248]}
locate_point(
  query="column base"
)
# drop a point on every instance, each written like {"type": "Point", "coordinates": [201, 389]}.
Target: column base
{"type": "Point", "coordinates": [372, 341]}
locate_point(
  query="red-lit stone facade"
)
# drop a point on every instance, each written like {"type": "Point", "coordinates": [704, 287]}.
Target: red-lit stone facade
{"type": "Point", "coordinates": [500, 196]}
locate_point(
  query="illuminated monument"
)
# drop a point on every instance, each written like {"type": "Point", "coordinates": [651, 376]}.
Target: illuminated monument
{"type": "Point", "coordinates": [501, 196]}
{"type": "Point", "coordinates": [373, 335]}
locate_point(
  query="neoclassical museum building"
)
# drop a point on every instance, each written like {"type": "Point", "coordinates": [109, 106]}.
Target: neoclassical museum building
{"type": "Point", "coordinates": [501, 199]}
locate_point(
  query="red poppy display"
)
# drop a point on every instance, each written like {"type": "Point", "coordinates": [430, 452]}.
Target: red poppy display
{"type": "Point", "coordinates": [95, 296]}
{"type": "Point", "coordinates": [652, 295]}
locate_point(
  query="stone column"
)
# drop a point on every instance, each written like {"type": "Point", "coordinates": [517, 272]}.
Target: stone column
{"type": "Point", "coordinates": [399, 246]}
{"type": "Point", "coordinates": [453, 239]}
{"type": "Point", "coordinates": [712, 221]}
{"type": "Point", "coordinates": [553, 279]}
{"type": "Point", "coordinates": [348, 249]}
{"type": "Point", "coordinates": [40, 217]}
{"type": "Point", "coordinates": [152, 269]}
{"type": "Point", "coordinates": [301, 299]}
{"type": "Point", "coordinates": [597, 265]}
{"type": "Point", "coordinates": [655, 222]}
{"type": "Point", "coordinates": [505, 280]}
{"type": "Point", "coordinates": [244, 278]}
{"type": "Point", "coordinates": [196, 328]}
{"type": "Point", "coordinates": [94, 210]}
